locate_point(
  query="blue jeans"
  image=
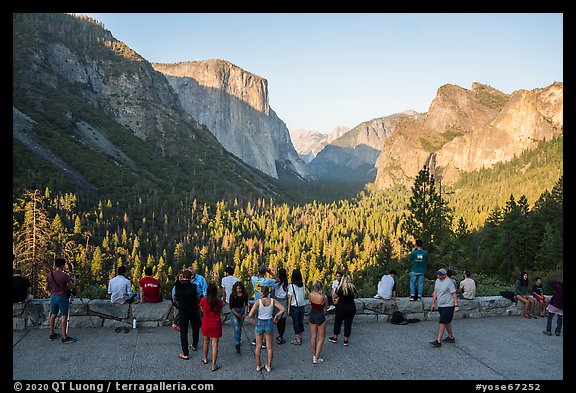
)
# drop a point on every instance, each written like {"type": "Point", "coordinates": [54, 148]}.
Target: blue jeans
{"type": "Point", "coordinates": [237, 324]}
{"type": "Point", "coordinates": [413, 277]}
{"type": "Point", "coordinates": [297, 314]}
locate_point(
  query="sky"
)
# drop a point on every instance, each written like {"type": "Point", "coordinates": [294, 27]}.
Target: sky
{"type": "Point", "coordinates": [342, 69]}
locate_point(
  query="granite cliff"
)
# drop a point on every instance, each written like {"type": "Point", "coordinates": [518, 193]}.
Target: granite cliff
{"type": "Point", "coordinates": [465, 130]}
{"type": "Point", "coordinates": [353, 154]}
{"type": "Point", "coordinates": [233, 104]}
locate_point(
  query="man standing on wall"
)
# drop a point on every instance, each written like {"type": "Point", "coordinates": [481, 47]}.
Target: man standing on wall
{"type": "Point", "coordinates": [419, 259]}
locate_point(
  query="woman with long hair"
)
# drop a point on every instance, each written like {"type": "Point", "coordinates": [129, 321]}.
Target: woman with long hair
{"type": "Point", "coordinates": [317, 320]}
{"type": "Point", "coordinates": [211, 306]}
{"type": "Point", "coordinates": [238, 302]}
{"type": "Point", "coordinates": [345, 309]}
{"type": "Point", "coordinates": [521, 292]}
{"type": "Point", "coordinates": [296, 304]}
{"type": "Point", "coordinates": [262, 314]}
{"type": "Point", "coordinates": [280, 294]}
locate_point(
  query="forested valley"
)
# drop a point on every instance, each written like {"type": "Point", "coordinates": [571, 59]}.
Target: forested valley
{"type": "Point", "coordinates": [490, 223]}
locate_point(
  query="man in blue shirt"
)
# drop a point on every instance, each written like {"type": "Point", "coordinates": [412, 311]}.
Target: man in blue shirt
{"type": "Point", "coordinates": [419, 258]}
{"type": "Point", "coordinates": [200, 282]}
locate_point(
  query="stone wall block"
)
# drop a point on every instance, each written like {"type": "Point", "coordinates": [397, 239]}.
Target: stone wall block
{"type": "Point", "coordinates": [38, 312]}
{"type": "Point", "coordinates": [104, 308]}
{"type": "Point", "coordinates": [18, 308]}
{"type": "Point", "coordinates": [151, 311]}
{"type": "Point", "coordinates": [18, 323]}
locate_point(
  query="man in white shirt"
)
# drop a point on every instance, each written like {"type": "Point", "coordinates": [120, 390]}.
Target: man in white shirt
{"type": "Point", "coordinates": [387, 286]}
{"type": "Point", "coordinates": [227, 282]}
{"type": "Point", "coordinates": [120, 288]}
{"type": "Point", "coordinates": [467, 288]}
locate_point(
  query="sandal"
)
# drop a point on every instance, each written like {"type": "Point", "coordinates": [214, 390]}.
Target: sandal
{"type": "Point", "coordinates": [216, 367]}
{"type": "Point", "coordinates": [527, 316]}
{"type": "Point", "coordinates": [204, 361]}
{"type": "Point", "coordinates": [280, 340]}
{"type": "Point", "coordinates": [296, 342]}
{"type": "Point", "coordinates": [194, 349]}
{"type": "Point", "coordinates": [184, 357]}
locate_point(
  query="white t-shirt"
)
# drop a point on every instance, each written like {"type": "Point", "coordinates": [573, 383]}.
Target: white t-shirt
{"type": "Point", "coordinates": [335, 284]}
{"type": "Point", "coordinates": [385, 286]}
{"type": "Point", "coordinates": [468, 288]}
{"type": "Point", "coordinates": [227, 283]}
{"type": "Point", "coordinates": [297, 294]}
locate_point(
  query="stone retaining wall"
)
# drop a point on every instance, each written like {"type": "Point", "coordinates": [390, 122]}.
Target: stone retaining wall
{"type": "Point", "coordinates": [86, 313]}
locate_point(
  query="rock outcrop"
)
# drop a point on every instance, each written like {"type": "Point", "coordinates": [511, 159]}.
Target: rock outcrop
{"type": "Point", "coordinates": [233, 104]}
{"type": "Point", "coordinates": [353, 154]}
{"type": "Point", "coordinates": [469, 130]}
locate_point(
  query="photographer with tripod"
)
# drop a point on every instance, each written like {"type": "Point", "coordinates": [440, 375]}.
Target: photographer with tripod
{"type": "Point", "coordinates": [60, 284]}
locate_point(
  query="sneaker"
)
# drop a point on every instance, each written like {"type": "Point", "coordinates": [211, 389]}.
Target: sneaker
{"type": "Point", "coordinates": [258, 368]}
{"type": "Point", "coordinates": [377, 297]}
{"type": "Point", "coordinates": [412, 298]}
{"type": "Point", "coordinates": [316, 360]}
{"type": "Point", "coordinates": [254, 342]}
{"type": "Point", "coordinates": [436, 344]}
{"type": "Point", "coordinates": [268, 369]}
{"type": "Point", "coordinates": [263, 345]}
{"type": "Point", "coordinates": [68, 340]}
{"type": "Point", "coordinates": [450, 340]}
{"type": "Point", "coordinates": [333, 340]}
{"type": "Point", "coordinates": [237, 348]}
{"type": "Point", "coordinates": [332, 307]}
{"type": "Point", "coordinates": [53, 336]}
{"type": "Point", "coordinates": [346, 343]}
{"type": "Point", "coordinates": [546, 332]}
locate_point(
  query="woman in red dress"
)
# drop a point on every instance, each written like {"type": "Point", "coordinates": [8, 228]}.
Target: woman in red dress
{"type": "Point", "coordinates": [211, 306]}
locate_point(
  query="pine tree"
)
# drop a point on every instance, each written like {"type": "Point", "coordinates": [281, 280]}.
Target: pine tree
{"type": "Point", "coordinates": [32, 241]}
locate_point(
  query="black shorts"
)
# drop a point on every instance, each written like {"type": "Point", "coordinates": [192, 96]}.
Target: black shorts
{"type": "Point", "coordinates": [316, 317]}
{"type": "Point", "coordinates": [446, 314]}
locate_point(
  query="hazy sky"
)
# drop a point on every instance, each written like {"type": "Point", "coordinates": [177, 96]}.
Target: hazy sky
{"type": "Point", "coordinates": [326, 70]}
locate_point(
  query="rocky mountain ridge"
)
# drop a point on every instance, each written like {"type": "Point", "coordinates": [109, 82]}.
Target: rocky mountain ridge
{"type": "Point", "coordinates": [98, 108]}
{"type": "Point", "coordinates": [465, 130]}
{"type": "Point", "coordinates": [233, 104]}
{"type": "Point", "coordinates": [353, 154]}
{"type": "Point", "coordinates": [309, 143]}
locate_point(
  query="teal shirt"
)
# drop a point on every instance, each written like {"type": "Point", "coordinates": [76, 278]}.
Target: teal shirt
{"type": "Point", "coordinates": [418, 259]}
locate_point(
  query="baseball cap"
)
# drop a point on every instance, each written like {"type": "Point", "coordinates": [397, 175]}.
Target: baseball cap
{"type": "Point", "coordinates": [441, 272]}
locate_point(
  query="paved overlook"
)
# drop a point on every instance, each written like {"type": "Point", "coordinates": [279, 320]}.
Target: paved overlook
{"type": "Point", "coordinates": [508, 349]}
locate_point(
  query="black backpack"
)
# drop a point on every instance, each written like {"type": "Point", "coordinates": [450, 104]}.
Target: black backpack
{"type": "Point", "coordinates": [398, 319]}
{"type": "Point", "coordinates": [508, 295]}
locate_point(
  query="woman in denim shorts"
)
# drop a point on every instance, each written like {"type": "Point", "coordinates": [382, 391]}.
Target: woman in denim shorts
{"type": "Point", "coordinates": [264, 324]}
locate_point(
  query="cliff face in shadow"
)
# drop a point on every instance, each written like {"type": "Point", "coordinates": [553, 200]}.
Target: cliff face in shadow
{"type": "Point", "coordinates": [233, 104]}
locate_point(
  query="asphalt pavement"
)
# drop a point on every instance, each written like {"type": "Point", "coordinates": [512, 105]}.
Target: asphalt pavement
{"type": "Point", "coordinates": [486, 349]}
